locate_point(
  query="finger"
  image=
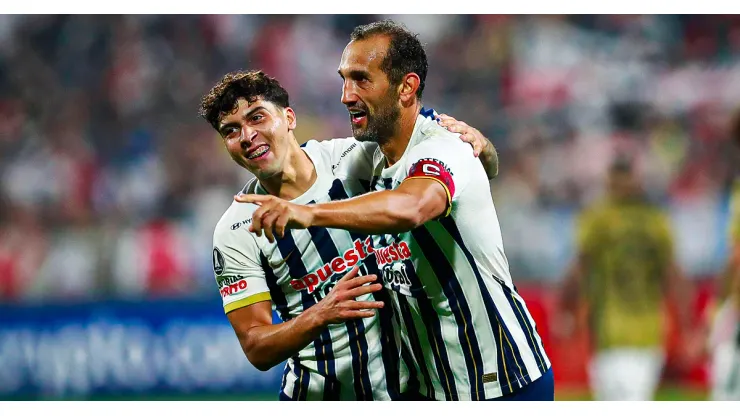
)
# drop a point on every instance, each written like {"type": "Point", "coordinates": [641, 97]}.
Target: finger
{"type": "Point", "coordinates": [357, 314]}
{"type": "Point", "coordinates": [473, 141]}
{"type": "Point", "coordinates": [355, 304]}
{"type": "Point", "coordinates": [257, 219]}
{"type": "Point", "coordinates": [478, 146]}
{"type": "Point", "coordinates": [280, 225]}
{"type": "Point", "coordinates": [362, 280]}
{"type": "Point", "coordinates": [456, 127]}
{"type": "Point", "coordinates": [363, 290]}
{"type": "Point", "coordinates": [350, 275]}
{"type": "Point", "coordinates": [252, 198]}
{"type": "Point", "coordinates": [445, 117]}
{"type": "Point", "coordinates": [268, 221]}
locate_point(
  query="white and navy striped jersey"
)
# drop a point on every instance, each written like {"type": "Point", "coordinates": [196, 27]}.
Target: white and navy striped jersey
{"type": "Point", "coordinates": [468, 329]}
{"type": "Point", "coordinates": [357, 360]}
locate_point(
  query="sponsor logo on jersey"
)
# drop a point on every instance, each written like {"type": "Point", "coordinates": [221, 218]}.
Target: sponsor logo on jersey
{"type": "Point", "coordinates": [392, 253]}
{"type": "Point", "coordinates": [345, 153]}
{"type": "Point", "coordinates": [218, 262]}
{"type": "Point", "coordinates": [359, 251]}
{"type": "Point", "coordinates": [235, 226]}
{"type": "Point", "coordinates": [232, 285]}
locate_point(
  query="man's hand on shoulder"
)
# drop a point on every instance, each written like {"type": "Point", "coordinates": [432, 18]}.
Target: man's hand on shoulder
{"type": "Point", "coordinates": [482, 147]}
{"type": "Point", "coordinates": [274, 215]}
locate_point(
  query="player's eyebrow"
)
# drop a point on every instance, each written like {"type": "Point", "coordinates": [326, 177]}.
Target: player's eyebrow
{"type": "Point", "coordinates": [355, 74]}
{"type": "Point", "coordinates": [245, 116]}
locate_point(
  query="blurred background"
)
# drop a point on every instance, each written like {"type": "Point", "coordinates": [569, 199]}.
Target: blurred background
{"type": "Point", "coordinates": [110, 184]}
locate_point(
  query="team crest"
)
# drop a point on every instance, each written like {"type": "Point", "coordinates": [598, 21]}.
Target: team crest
{"type": "Point", "coordinates": [218, 262]}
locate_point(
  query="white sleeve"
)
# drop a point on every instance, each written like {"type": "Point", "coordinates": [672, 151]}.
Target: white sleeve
{"type": "Point", "coordinates": [449, 162]}
{"type": "Point", "coordinates": [349, 157]}
{"type": "Point", "coordinates": [237, 267]}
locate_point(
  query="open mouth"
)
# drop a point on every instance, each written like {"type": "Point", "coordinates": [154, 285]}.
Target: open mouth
{"type": "Point", "coordinates": [357, 116]}
{"type": "Point", "coordinates": [258, 152]}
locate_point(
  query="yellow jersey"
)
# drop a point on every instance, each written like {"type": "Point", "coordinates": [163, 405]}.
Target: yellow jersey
{"type": "Point", "coordinates": [626, 249]}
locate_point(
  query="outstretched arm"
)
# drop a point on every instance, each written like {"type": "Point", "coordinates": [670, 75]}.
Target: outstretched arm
{"type": "Point", "coordinates": [415, 201]}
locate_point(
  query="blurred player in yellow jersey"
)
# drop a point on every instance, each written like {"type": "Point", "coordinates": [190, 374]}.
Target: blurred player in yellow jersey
{"type": "Point", "coordinates": [724, 338]}
{"type": "Point", "coordinates": [623, 271]}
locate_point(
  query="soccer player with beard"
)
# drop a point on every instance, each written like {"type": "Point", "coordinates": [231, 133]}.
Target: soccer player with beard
{"type": "Point", "coordinates": [335, 344]}
{"type": "Point", "coordinates": [436, 236]}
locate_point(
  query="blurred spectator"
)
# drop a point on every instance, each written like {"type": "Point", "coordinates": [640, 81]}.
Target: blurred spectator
{"type": "Point", "coordinates": [112, 184]}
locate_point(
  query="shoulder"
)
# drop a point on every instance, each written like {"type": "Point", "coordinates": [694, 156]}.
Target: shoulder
{"type": "Point", "coordinates": [436, 139]}
{"type": "Point", "coordinates": [339, 148]}
{"type": "Point", "coordinates": [232, 225]}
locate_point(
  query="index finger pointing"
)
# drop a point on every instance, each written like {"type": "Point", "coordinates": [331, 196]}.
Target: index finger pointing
{"type": "Point", "coordinates": [251, 198]}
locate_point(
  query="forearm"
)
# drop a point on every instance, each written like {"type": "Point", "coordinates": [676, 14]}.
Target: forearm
{"type": "Point", "coordinates": [489, 158]}
{"type": "Point", "coordinates": [383, 212]}
{"type": "Point", "coordinates": [268, 345]}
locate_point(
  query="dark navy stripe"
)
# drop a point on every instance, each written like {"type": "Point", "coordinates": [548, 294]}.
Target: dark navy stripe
{"type": "Point", "coordinates": [459, 307]}
{"type": "Point", "coordinates": [529, 332]}
{"type": "Point", "coordinates": [365, 184]}
{"type": "Point", "coordinates": [332, 390]}
{"type": "Point", "coordinates": [388, 183]}
{"type": "Point", "coordinates": [512, 357]}
{"type": "Point", "coordinates": [300, 389]}
{"type": "Point", "coordinates": [355, 328]}
{"type": "Point", "coordinates": [297, 270]}
{"type": "Point", "coordinates": [374, 183]}
{"type": "Point", "coordinates": [410, 328]}
{"type": "Point", "coordinates": [277, 295]}
{"type": "Point", "coordinates": [434, 335]}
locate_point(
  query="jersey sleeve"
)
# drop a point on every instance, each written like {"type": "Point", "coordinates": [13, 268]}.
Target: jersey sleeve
{"type": "Point", "coordinates": [237, 268]}
{"type": "Point", "coordinates": [449, 162]}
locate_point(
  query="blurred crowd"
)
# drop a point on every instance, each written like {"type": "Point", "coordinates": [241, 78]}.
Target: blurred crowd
{"type": "Point", "coordinates": [110, 184]}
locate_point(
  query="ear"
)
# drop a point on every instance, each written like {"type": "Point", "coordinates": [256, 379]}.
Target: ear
{"type": "Point", "coordinates": [409, 85]}
{"type": "Point", "coordinates": [291, 117]}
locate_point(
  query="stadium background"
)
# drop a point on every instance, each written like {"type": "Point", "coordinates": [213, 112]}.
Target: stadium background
{"type": "Point", "coordinates": [110, 185]}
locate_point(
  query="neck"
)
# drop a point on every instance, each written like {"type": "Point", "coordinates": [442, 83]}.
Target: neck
{"type": "Point", "coordinates": [297, 177]}
{"type": "Point", "coordinates": [394, 147]}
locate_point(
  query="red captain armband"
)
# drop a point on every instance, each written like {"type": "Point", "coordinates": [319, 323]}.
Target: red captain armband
{"type": "Point", "coordinates": [435, 169]}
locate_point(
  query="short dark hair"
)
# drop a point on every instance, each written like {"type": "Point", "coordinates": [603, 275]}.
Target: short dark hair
{"type": "Point", "coordinates": [250, 85]}
{"type": "Point", "coordinates": [405, 52]}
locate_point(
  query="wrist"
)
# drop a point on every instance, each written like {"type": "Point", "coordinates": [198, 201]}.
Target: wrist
{"type": "Point", "coordinates": [314, 216]}
{"type": "Point", "coordinates": [311, 319]}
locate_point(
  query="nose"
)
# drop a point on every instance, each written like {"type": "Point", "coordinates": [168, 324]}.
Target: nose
{"type": "Point", "coordinates": [349, 95]}
{"type": "Point", "coordinates": [247, 137]}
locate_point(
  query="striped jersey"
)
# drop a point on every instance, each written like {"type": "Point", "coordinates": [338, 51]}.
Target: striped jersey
{"type": "Point", "coordinates": [356, 360]}
{"type": "Point", "coordinates": [468, 330]}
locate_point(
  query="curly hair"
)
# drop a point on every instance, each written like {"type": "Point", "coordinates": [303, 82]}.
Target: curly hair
{"type": "Point", "coordinates": [250, 85]}
{"type": "Point", "coordinates": [405, 52]}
